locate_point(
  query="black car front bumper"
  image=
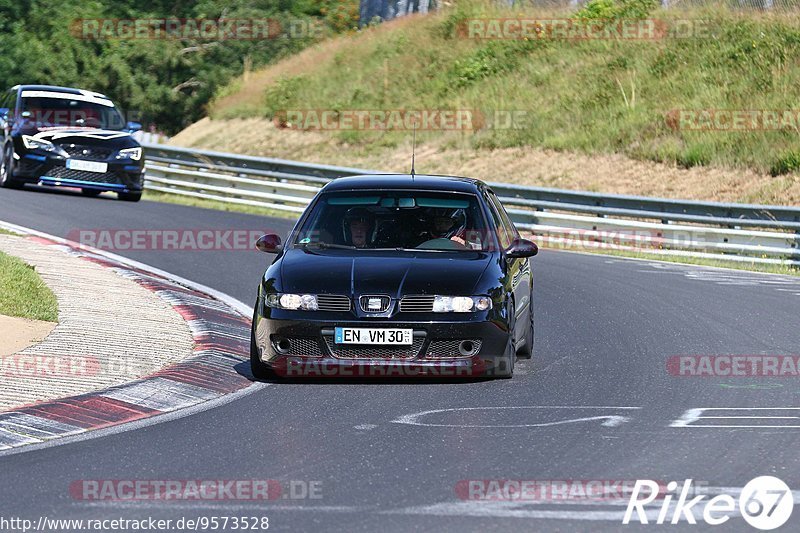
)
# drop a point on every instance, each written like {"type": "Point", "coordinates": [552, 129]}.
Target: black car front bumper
{"type": "Point", "coordinates": [124, 176]}
{"type": "Point", "coordinates": [306, 348]}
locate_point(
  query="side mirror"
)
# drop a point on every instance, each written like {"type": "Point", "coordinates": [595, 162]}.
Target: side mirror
{"type": "Point", "coordinates": [269, 243]}
{"type": "Point", "coordinates": [133, 126]}
{"type": "Point", "coordinates": [522, 248]}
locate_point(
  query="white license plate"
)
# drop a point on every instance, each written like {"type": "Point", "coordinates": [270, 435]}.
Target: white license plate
{"type": "Point", "coordinates": [373, 336]}
{"type": "Point", "coordinates": [89, 166]}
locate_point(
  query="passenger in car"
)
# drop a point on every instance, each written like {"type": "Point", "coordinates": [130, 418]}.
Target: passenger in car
{"type": "Point", "coordinates": [358, 227]}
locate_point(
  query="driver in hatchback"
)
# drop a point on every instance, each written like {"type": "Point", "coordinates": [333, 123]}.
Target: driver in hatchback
{"type": "Point", "coordinates": [448, 224]}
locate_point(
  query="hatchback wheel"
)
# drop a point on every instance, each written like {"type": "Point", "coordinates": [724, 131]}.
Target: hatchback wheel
{"type": "Point", "coordinates": [504, 366]}
{"type": "Point", "coordinates": [257, 367]}
{"type": "Point", "coordinates": [7, 169]}
{"type": "Point", "coordinates": [129, 196]}
{"type": "Point", "coordinates": [526, 350]}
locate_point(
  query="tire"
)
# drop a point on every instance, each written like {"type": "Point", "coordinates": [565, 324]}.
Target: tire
{"type": "Point", "coordinates": [526, 351]}
{"type": "Point", "coordinates": [91, 193]}
{"type": "Point", "coordinates": [129, 196]}
{"type": "Point", "coordinates": [7, 180]}
{"type": "Point", "coordinates": [504, 365]}
{"type": "Point", "coordinates": [259, 370]}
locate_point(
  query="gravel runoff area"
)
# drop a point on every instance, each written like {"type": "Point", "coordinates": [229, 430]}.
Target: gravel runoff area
{"type": "Point", "coordinates": [110, 330]}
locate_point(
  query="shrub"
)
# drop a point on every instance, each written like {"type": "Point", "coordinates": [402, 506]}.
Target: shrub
{"type": "Point", "coordinates": [789, 162]}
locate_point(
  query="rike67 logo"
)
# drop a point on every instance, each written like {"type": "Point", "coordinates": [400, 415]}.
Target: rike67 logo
{"type": "Point", "coordinates": [765, 503]}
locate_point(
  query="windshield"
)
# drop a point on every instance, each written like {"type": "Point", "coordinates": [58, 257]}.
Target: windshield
{"type": "Point", "coordinates": [396, 220]}
{"type": "Point", "coordinates": [50, 112]}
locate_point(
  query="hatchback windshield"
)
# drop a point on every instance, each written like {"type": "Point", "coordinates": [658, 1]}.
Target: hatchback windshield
{"type": "Point", "coordinates": [396, 220]}
{"type": "Point", "coordinates": [68, 111]}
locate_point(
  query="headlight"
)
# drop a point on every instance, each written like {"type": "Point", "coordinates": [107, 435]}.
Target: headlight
{"type": "Point", "coordinates": [461, 304]}
{"type": "Point", "coordinates": [306, 302]}
{"type": "Point", "coordinates": [32, 143]}
{"type": "Point", "coordinates": [130, 153]}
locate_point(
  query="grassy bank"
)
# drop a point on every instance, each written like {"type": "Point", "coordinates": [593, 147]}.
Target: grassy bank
{"type": "Point", "coordinates": [587, 96]}
{"type": "Point", "coordinates": [23, 293]}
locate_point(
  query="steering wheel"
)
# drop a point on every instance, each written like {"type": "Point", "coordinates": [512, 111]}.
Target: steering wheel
{"type": "Point", "coordinates": [441, 244]}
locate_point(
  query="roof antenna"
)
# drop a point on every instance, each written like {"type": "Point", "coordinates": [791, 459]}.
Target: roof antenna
{"type": "Point", "coordinates": [413, 150]}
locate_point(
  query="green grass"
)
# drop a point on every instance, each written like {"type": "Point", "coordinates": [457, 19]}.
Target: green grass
{"type": "Point", "coordinates": [157, 196]}
{"type": "Point", "coordinates": [23, 293]}
{"type": "Point", "coordinates": [592, 96]}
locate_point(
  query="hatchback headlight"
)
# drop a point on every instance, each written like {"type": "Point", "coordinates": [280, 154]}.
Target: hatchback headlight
{"type": "Point", "coordinates": [461, 304]}
{"type": "Point", "coordinates": [130, 153]}
{"type": "Point", "coordinates": [32, 143]}
{"type": "Point", "coordinates": [305, 302]}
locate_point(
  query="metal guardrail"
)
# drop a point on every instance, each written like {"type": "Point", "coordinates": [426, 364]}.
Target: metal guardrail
{"type": "Point", "coordinates": [563, 218]}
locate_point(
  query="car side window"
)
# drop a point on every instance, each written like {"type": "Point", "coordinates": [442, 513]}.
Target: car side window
{"type": "Point", "coordinates": [510, 227]}
{"type": "Point", "coordinates": [502, 231]}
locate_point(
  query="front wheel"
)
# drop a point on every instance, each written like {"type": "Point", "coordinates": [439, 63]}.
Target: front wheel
{"type": "Point", "coordinates": [257, 367]}
{"type": "Point", "coordinates": [129, 196]}
{"type": "Point", "coordinates": [526, 350]}
{"type": "Point", "coordinates": [504, 365]}
{"type": "Point", "coordinates": [7, 169]}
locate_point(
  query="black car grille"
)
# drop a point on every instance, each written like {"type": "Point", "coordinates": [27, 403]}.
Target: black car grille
{"type": "Point", "coordinates": [91, 153]}
{"type": "Point", "coordinates": [83, 175]}
{"type": "Point", "coordinates": [417, 304]}
{"type": "Point", "coordinates": [352, 351]}
{"type": "Point", "coordinates": [305, 347]}
{"type": "Point", "coordinates": [448, 349]}
{"type": "Point", "coordinates": [333, 302]}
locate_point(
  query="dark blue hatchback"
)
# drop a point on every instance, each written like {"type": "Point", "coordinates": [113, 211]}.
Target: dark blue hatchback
{"type": "Point", "coordinates": [396, 275]}
{"type": "Point", "coordinates": [60, 136]}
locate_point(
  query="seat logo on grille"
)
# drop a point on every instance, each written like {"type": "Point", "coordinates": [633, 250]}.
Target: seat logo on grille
{"type": "Point", "coordinates": [374, 303]}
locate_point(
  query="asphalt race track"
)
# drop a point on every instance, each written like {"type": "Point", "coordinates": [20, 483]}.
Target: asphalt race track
{"type": "Point", "coordinates": [595, 403]}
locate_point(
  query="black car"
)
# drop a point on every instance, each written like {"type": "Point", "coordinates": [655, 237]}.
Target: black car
{"type": "Point", "coordinates": [396, 275]}
{"type": "Point", "coordinates": [60, 136]}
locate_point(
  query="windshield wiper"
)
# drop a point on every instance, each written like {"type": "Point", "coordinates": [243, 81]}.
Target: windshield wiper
{"type": "Point", "coordinates": [324, 245]}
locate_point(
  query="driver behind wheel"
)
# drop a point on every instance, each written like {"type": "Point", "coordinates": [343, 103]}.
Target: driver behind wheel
{"type": "Point", "coordinates": [448, 224]}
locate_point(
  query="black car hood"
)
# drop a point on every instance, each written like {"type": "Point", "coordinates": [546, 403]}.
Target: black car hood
{"type": "Point", "coordinates": [375, 272]}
